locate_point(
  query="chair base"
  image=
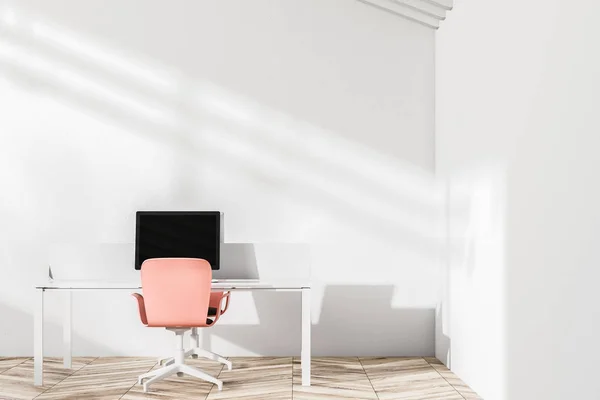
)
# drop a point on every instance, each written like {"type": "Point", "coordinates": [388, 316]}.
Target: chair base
{"type": "Point", "coordinates": [179, 369]}
{"type": "Point", "coordinates": [176, 365]}
{"type": "Point", "coordinates": [198, 352]}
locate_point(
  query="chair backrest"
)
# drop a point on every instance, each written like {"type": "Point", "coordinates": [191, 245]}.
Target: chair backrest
{"type": "Point", "coordinates": [176, 291]}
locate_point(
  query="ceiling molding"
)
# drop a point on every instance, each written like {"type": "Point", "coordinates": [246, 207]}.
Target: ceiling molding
{"type": "Point", "coordinates": [425, 12]}
{"type": "Point", "coordinates": [445, 4]}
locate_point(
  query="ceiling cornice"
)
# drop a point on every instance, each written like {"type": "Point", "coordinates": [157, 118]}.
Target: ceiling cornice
{"type": "Point", "coordinates": [425, 12]}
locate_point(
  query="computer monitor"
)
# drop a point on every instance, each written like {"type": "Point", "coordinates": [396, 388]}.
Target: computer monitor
{"type": "Point", "coordinates": [193, 234]}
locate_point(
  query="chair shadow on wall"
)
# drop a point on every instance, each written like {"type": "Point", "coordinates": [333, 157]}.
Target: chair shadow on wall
{"type": "Point", "coordinates": [356, 317]}
{"type": "Point", "coordinates": [353, 319]}
{"type": "Point", "coordinates": [365, 317]}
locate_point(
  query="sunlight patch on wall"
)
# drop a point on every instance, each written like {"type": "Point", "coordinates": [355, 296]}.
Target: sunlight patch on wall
{"type": "Point", "coordinates": [109, 59]}
{"type": "Point", "coordinates": [75, 81]}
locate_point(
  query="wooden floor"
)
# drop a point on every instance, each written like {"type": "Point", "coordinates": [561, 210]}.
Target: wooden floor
{"type": "Point", "coordinates": [261, 378]}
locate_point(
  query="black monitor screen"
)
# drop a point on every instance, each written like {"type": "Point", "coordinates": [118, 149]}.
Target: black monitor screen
{"type": "Point", "coordinates": [178, 234]}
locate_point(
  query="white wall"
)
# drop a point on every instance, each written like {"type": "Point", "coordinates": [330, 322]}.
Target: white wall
{"type": "Point", "coordinates": [306, 123]}
{"type": "Point", "coordinates": [517, 139]}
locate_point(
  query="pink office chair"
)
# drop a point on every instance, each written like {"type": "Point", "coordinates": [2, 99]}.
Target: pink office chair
{"type": "Point", "coordinates": [176, 297]}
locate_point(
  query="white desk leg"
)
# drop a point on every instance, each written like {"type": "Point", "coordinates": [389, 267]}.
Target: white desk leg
{"type": "Point", "coordinates": [67, 329]}
{"type": "Point", "coordinates": [38, 339]}
{"type": "Point", "coordinates": [306, 325]}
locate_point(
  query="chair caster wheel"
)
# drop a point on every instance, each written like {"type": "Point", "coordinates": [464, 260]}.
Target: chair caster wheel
{"type": "Point", "coordinates": [194, 356]}
{"type": "Point", "coordinates": [180, 374]}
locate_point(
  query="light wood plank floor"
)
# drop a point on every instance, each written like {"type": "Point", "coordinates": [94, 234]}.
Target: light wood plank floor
{"type": "Point", "coordinates": [260, 378]}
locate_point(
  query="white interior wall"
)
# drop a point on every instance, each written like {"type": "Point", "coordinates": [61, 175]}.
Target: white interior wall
{"type": "Point", "coordinates": [307, 123]}
{"type": "Point", "coordinates": [516, 138]}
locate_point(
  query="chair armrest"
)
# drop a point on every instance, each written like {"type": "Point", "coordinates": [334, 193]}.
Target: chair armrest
{"type": "Point", "coordinates": [226, 297]}
{"type": "Point", "coordinates": [221, 310]}
{"type": "Point", "coordinates": [216, 301]}
{"type": "Point", "coordinates": [141, 307]}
